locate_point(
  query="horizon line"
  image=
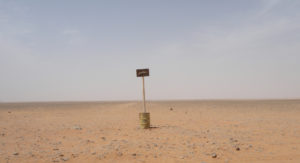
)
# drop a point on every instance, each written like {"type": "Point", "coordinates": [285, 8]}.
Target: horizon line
{"type": "Point", "coordinates": [155, 100]}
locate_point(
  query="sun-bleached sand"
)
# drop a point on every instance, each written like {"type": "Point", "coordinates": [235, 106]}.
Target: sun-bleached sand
{"type": "Point", "coordinates": [192, 131]}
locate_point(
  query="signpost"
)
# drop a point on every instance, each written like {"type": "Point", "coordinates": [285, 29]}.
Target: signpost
{"type": "Point", "coordinates": [144, 117]}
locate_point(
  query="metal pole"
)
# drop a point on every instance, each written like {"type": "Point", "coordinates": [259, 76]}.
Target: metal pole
{"type": "Point", "coordinates": [144, 98]}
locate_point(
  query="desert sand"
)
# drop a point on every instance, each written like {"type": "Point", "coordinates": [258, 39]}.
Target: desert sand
{"type": "Point", "coordinates": [192, 131]}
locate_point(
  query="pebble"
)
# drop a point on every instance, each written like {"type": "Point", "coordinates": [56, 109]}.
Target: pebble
{"type": "Point", "coordinates": [171, 109]}
{"type": "Point", "coordinates": [76, 127]}
{"type": "Point", "coordinates": [134, 154]}
{"type": "Point", "coordinates": [214, 155]}
{"type": "Point", "coordinates": [89, 141]}
{"type": "Point", "coordinates": [65, 158]}
{"type": "Point", "coordinates": [74, 155]}
{"type": "Point", "coordinates": [237, 148]}
{"type": "Point", "coordinates": [233, 140]}
{"type": "Point", "coordinates": [103, 138]}
{"type": "Point", "coordinates": [15, 153]}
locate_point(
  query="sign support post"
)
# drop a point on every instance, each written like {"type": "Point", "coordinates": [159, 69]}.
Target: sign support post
{"type": "Point", "coordinates": [144, 116]}
{"type": "Point", "coordinates": [144, 98]}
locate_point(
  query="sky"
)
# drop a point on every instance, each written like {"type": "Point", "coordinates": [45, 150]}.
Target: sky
{"type": "Point", "coordinates": [71, 50]}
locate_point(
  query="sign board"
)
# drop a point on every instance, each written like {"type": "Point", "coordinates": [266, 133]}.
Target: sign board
{"type": "Point", "coordinates": [142, 72]}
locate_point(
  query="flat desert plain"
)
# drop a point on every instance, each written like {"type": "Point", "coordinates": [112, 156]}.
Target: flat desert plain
{"type": "Point", "coordinates": [182, 131]}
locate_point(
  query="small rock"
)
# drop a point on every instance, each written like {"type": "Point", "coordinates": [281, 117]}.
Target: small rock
{"type": "Point", "coordinates": [181, 157]}
{"type": "Point", "coordinates": [9, 112]}
{"type": "Point", "coordinates": [89, 141]}
{"type": "Point", "coordinates": [237, 148]}
{"type": "Point", "coordinates": [74, 155]}
{"type": "Point", "coordinates": [232, 140]}
{"type": "Point", "coordinates": [15, 153]}
{"type": "Point", "coordinates": [55, 149]}
{"type": "Point", "coordinates": [93, 153]}
{"type": "Point", "coordinates": [134, 154]}
{"type": "Point", "coordinates": [76, 127]}
{"type": "Point", "coordinates": [103, 138]}
{"type": "Point", "coordinates": [214, 155]}
{"type": "Point", "coordinates": [65, 158]}
{"type": "Point", "coordinates": [171, 109]}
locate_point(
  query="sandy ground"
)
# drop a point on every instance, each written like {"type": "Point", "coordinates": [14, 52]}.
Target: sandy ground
{"type": "Point", "coordinates": [194, 131]}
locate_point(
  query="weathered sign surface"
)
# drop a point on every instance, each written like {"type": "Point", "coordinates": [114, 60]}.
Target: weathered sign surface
{"type": "Point", "coordinates": [142, 72]}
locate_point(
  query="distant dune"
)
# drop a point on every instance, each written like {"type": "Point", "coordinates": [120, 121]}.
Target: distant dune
{"type": "Point", "coordinates": [182, 131]}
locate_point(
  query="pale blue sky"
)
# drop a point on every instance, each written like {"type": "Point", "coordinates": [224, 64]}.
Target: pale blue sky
{"type": "Point", "coordinates": [59, 50]}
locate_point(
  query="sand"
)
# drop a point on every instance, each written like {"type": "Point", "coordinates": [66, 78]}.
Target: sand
{"type": "Point", "coordinates": [194, 131]}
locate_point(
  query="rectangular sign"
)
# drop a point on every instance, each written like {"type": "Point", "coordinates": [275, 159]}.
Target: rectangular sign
{"type": "Point", "coordinates": [142, 72]}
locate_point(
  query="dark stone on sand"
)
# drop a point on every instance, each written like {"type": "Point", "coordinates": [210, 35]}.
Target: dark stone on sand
{"type": "Point", "coordinates": [134, 154]}
{"type": "Point", "coordinates": [171, 109]}
{"type": "Point", "coordinates": [214, 155]}
{"type": "Point", "coordinates": [15, 153]}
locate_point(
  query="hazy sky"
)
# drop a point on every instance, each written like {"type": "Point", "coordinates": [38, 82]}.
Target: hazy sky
{"type": "Point", "coordinates": [89, 50]}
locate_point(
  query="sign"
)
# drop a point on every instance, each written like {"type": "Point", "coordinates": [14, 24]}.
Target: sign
{"type": "Point", "coordinates": [142, 72]}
